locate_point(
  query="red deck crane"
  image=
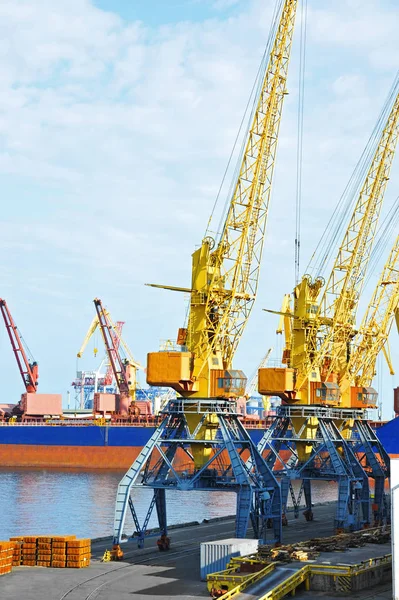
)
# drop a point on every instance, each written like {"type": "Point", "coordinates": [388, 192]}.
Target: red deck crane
{"type": "Point", "coordinates": [29, 370]}
{"type": "Point", "coordinates": [124, 370]}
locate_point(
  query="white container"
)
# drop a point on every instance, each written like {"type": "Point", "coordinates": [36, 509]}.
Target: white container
{"type": "Point", "coordinates": [214, 556]}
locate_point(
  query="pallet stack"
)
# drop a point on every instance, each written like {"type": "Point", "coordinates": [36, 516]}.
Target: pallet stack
{"type": "Point", "coordinates": [6, 557]}
{"type": "Point", "coordinates": [43, 554]}
{"type": "Point", "coordinates": [78, 553]}
{"type": "Point", "coordinates": [46, 551]}
{"type": "Point", "coordinates": [29, 547]}
{"type": "Point", "coordinates": [59, 550]}
{"type": "Point", "coordinates": [17, 554]}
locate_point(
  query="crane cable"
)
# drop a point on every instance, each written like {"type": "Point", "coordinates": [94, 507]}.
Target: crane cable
{"type": "Point", "coordinates": [341, 213]}
{"type": "Point", "coordinates": [299, 158]}
{"type": "Point", "coordinates": [384, 234]}
{"type": "Point", "coordinates": [252, 97]}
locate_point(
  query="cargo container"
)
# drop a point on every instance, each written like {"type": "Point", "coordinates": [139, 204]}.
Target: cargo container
{"type": "Point", "coordinates": [39, 405]}
{"type": "Point", "coordinates": [104, 403]}
{"type": "Point", "coordinates": [214, 556]}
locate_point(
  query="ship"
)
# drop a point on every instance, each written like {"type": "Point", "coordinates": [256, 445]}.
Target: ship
{"type": "Point", "coordinates": [82, 445]}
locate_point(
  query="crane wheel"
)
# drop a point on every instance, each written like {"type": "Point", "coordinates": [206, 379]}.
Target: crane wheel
{"type": "Point", "coordinates": [116, 552]}
{"type": "Point", "coordinates": [163, 543]}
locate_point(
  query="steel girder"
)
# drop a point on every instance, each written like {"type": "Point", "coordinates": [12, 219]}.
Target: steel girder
{"type": "Point", "coordinates": [234, 465]}
{"type": "Point", "coordinates": [352, 460]}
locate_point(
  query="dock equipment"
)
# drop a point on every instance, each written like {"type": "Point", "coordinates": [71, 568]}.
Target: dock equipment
{"type": "Point", "coordinates": [201, 444]}
{"type": "Point", "coordinates": [328, 364]}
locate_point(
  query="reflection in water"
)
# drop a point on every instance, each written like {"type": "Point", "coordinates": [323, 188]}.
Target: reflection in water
{"type": "Point", "coordinates": [82, 502]}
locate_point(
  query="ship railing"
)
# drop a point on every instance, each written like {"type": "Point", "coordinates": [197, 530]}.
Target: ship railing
{"type": "Point", "coordinates": [77, 423]}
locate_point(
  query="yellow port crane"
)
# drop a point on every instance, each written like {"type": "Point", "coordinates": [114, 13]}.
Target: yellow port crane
{"type": "Point", "coordinates": [225, 274]}
{"type": "Point", "coordinates": [318, 342]}
{"type": "Point", "coordinates": [202, 421]}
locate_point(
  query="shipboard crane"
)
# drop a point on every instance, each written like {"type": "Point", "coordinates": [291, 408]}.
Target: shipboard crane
{"type": "Point", "coordinates": [203, 422]}
{"type": "Point", "coordinates": [225, 274]}
{"type": "Point", "coordinates": [28, 368]}
{"type": "Point", "coordinates": [116, 334]}
{"type": "Point", "coordinates": [124, 370]}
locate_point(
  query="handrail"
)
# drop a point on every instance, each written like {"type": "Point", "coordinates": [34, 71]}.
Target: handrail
{"type": "Point", "coordinates": [231, 574]}
{"type": "Point", "coordinates": [288, 585]}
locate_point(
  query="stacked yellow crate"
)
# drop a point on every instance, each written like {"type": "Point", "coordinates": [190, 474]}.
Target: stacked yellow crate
{"type": "Point", "coordinates": [59, 550]}
{"type": "Point", "coordinates": [44, 551]}
{"type": "Point", "coordinates": [6, 556]}
{"type": "Point", "coordinates": [17, 554]}
{"type": "Point", "coordinates": [78, 553]}
{"type": "Point", "coordinates": [29, 548]}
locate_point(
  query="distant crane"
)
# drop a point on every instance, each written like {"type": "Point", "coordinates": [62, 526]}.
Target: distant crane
{"type": "Point", "coordinates": [252, 386]}
{"type": "Point", "coordinates": [124, 370]}
{"type": "Point", "coordinates": [89, 382]}
{"type": "Point", "coordinates": [28, 369]}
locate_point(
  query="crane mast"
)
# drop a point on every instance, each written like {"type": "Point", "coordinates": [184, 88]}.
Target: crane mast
{"type": "Point", "coordinates": [225, 275]}
{"type": "Point", "coordinates": [29, 371]}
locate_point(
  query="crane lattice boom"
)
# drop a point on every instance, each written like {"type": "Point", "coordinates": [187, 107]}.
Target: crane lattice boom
{"type": "Point", "coordinates": [334, 323]}
{"type": "Point", "coordinates": [28, 370]}
{"type": "Point", "coordinates": [238, 254]}
{"type": "Point", "coordinates": [377, 322]}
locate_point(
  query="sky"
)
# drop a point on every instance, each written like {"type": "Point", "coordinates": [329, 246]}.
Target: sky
{"type": "Point", "coordinates": [117, 120]}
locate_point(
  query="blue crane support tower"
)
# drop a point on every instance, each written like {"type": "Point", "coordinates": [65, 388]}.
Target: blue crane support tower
{"type": "Point", "coordinates": [235, 465]}
{"type": "Point", "coordinates": [332, 456]}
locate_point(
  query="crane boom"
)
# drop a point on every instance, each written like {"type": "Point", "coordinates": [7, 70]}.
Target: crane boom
{"type": "Point", "coordinates": [117, 336]}
{"type": "Point", "coordinates": [377, 322]}
{"type": "Point", "coordinates": [237, 258]}
{"type": "Point", "coordinates": [225, 274]}
{"type": "Point", "coordinates": [29, 371]}
{"type": "Point", "coordinates": [333, 326]}
{"type": "Point", "coordinates": [90, 332]}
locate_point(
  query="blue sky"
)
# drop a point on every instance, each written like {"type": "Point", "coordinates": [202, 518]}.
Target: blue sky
{"type": "Point", "coordinates": [159, 12]}
{"type": "Point", "coordinates": [116, 122]}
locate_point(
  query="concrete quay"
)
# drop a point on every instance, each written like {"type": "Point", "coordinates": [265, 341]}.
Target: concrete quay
{"type": "Point", "coordinates": [147, 574]}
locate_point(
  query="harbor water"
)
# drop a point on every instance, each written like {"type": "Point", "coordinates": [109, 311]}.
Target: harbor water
{"type": "Point", "coordinates": [64, 501]}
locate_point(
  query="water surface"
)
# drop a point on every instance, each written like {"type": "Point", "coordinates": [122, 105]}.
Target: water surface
{"type": "Point", "coordinates": [56, 502]}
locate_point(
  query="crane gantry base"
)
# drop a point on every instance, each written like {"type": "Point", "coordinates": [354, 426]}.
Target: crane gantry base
{"type": "Point", "coordinates": [308, 443]}
{"type": "Point", "coordinates": [233, 464]}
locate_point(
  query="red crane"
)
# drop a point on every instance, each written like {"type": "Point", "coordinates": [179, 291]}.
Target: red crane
{"type": "Point", "coordinates": [124, 370]}
{"type": "Point", "coordinates": [116, 335]}
{"type": "Point", "coordinates": [29, 370]}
